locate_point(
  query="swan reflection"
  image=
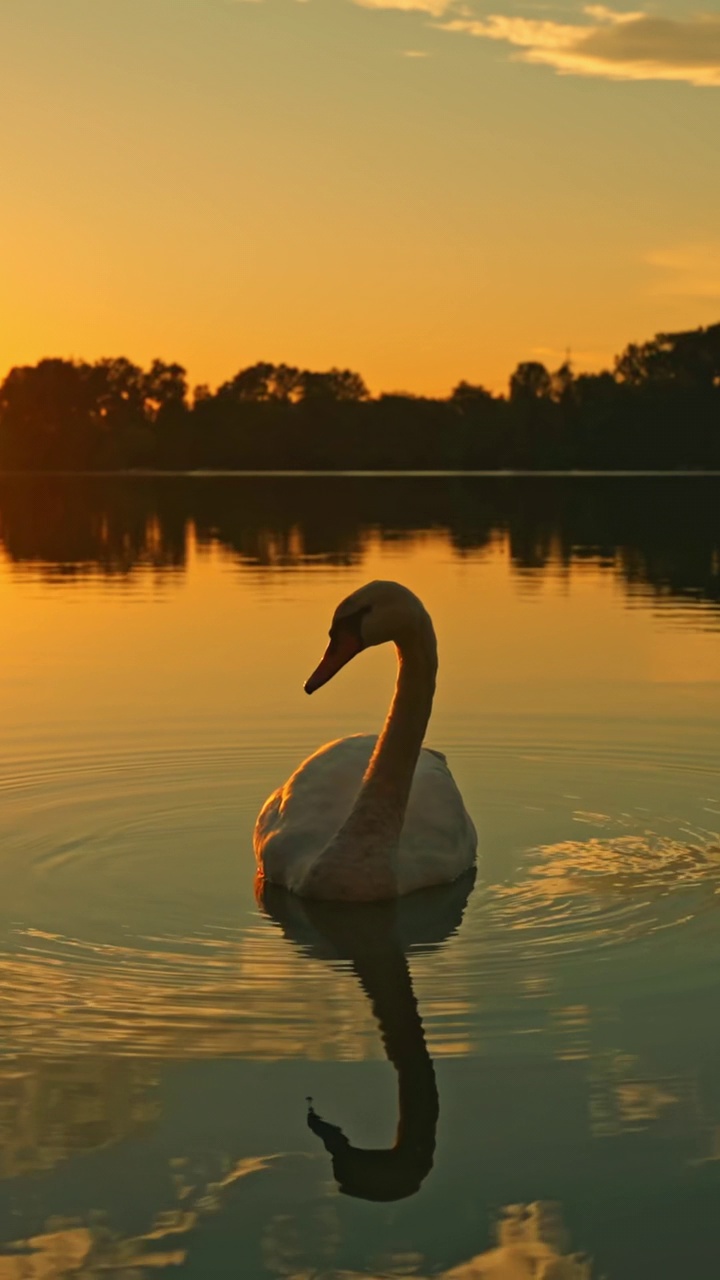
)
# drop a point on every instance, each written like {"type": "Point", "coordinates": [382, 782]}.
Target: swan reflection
{"type": "Point", "coordinates": [375, 940]}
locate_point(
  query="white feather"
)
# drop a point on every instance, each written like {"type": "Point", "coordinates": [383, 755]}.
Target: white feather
{"type": "Point", "coordinates": [297, 822]}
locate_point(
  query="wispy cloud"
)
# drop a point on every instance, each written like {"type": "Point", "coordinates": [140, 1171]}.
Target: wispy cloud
{"type": "Point", "coordinates": [617, 46]}
{"type": "Point", "coordinates": [588, 357]}
{"type": "Point", "coordinates": [434, 7]}
{"type": "Point", "coordinates": [687, 271]}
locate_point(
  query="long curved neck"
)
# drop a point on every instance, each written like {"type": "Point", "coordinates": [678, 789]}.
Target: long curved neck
{"type": "Point", "coordinates": [387, 782]}
{"type": "Point", "coordinates": [395, 1008]}
{"type": "Point", "coordinates": [361, 857]}
{"type": "Point", "coordinates": [395, 1172]}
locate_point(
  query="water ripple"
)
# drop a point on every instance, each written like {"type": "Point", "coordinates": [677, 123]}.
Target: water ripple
{"type": "Point", "coordinates": [581, 895]}
{"type": "Point", "coordinates": [129, 920]}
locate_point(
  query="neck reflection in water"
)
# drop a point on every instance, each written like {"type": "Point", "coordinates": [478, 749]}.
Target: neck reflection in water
{"type": "Point", "coordinates": [375, 939]}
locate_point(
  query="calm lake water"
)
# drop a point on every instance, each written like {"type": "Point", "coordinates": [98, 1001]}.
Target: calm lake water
{"type": "Point", "coordinates": [560, 1115]}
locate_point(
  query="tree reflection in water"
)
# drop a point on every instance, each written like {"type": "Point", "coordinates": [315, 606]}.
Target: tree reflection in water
{"type": "Point", "coordinates": [658, 536]}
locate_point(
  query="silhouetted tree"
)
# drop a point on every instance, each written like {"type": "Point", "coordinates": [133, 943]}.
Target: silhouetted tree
{"type": "Point", "coordinates": [263, 382]}
{"type": "Point", "coordinates": [561, 383]}
{"type": "Point", "coordinates": [336, 384]}
{"type": "Point", "coordinates": [468, 396]}
{"type": "Point", "coordinates": [251, 384]}
{"type": "Point", "coordinates": [530, 381]}
{"type": "Point", "coordinates": [49, 413]}
{"type": "Point", "coordinates": [690, 359]}
{"type": "Point", "coordinates": [164, 388]}
{"type": "Point", "coordinates": [659, 409]}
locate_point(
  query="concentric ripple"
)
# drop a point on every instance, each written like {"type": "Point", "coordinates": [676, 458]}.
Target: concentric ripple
{"type": "Point", "coordinates": [129, 921]}
{"type": "Point", "coordinates": [583, 895]}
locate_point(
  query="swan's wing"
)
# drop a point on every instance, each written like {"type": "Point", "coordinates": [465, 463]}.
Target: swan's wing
{"type": "Point", "coordinates": [438, 840]}
{"type": "Point", "coordinates": [299, 819]}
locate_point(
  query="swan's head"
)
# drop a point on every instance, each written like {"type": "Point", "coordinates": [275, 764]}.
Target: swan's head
{"type": "Point", "coordinates": [374, 614]}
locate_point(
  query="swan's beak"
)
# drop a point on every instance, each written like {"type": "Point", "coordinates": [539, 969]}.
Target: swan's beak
{"type": "Point", "coordinates": [339, 651]}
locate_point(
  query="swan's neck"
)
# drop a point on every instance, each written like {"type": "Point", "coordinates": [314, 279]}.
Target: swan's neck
{"type": "Point", "coordinates": [387, 782]}
{"type": "Point", "coordinates": [396, 1011]}
{"type": "Point", "coordinates": [399, 1170]}
{"type": "Point", "coordinates": [360, 861]}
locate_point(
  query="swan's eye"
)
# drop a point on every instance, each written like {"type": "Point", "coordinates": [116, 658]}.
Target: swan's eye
{"type": "Point", "coordinates": [350, 624]}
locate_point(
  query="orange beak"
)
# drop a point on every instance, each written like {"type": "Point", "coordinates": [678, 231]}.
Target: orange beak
{"type": "Point", "coordinates": [338, 653]}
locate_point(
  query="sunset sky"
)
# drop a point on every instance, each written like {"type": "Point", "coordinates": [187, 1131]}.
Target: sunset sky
{"type": "Point", "coordinates": [423, 190]}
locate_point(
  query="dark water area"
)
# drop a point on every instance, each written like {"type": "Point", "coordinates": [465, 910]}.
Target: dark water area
{"type": "Point", "coordinates": [516, 1076]}
{"type": "Point", "coordinates": [661, 532]}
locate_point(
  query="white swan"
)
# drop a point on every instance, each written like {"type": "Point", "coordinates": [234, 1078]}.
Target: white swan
{"type": "Point", "coordinates": [369, 818]}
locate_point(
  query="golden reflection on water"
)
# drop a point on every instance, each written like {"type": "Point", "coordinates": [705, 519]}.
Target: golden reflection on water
{"type": "Point", "coordinates": [152, 699]}
{"type": "Point", "coordinates": [575, 904]}
{"type": "Point", "coordinates": [254, 998]}
{"type": "Point", "coordinates": [532, 1244]}
{"type": "Point", "coordinates": [88, 1251]}
{"type": "Point", "coordinates": [51, 1109]}
{"type": "Point", "coordinates": [230, 628]}
{"type": "Point", "coordinates": [625, 1098]}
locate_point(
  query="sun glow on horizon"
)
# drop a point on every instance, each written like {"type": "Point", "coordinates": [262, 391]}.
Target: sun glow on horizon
{"type": "Point", "coordinates": [352, 186]}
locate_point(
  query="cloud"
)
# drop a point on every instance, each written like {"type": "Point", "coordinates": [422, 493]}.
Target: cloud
{"type": "Point", "coordinates": [415, 53]}
{"type": "Point", "coordinates": [617, 46]}
{"type": "Point", "coordinates": [559, 355]}
{"type": "Point", "coordinates": [436, 8]}
{"type": "Point", "coordinates": [687, 271]}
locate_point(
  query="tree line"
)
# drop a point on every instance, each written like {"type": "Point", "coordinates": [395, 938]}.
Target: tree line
{"type": "Point", "coordinates": [659, 407]}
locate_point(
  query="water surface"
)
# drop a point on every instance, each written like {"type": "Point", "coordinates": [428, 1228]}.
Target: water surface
{"type": "Point", "coordinates": [161, 1033]}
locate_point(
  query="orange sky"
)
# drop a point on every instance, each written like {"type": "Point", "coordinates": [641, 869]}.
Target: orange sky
{"type": "Point", "coordinates": [220, 182]}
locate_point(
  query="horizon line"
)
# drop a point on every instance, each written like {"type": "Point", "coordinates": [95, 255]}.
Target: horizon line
{"type": "Point", "coordinates": [211, 473]}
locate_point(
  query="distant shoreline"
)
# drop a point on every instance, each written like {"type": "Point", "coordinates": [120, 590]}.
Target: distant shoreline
{"type": "Point", "coordinates": [296, 474]}
{"type": "Point", "coordinates": [655, 414]}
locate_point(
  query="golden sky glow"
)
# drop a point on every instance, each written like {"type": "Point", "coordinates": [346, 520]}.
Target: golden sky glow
{"type": "Point", "coordinates": [420, 190]}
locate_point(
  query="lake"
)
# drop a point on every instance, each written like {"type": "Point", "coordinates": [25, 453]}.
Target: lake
{"type": "Point", "coordinates": [548, 1036]}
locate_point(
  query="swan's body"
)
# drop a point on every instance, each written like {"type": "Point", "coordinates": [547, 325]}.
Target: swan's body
{"type": "Point", "coordinates": [437, 836]}
{"type": "Point", "coordinates": [365, 819]}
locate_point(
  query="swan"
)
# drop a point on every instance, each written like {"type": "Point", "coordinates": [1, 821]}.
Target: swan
{"type": "Point", "coordinates": [366, 818]}
{"type": "Point", "coordinates": [375, 940]}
